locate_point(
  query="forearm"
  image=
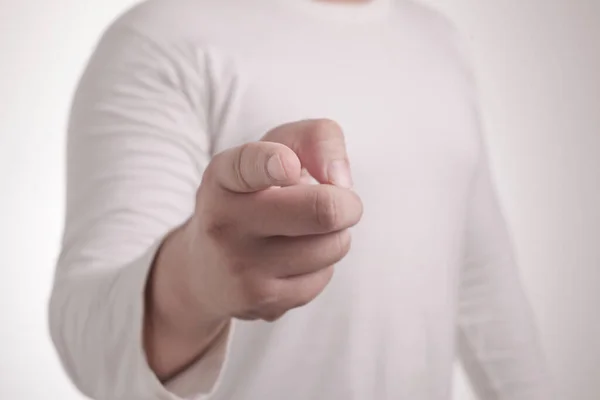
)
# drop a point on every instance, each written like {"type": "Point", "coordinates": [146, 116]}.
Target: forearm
{"type": "Point", "coordinates": [177, 333]}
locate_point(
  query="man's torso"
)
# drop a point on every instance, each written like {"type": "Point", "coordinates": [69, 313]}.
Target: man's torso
{"type": "Point", "coordinates": [384, 327]}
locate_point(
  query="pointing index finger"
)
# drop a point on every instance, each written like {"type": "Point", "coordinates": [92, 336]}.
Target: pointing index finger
{"type": "Point", "coordinates": [320, 146]}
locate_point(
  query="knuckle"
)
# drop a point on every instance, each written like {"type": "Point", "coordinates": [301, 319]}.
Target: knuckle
{"type": "Point", "coordinates": [272, 316]}
{"type": "Point", "coordinates": [239, 163]}
{"type": "Point", "coordinates": [325, 209]}
{"type": "Point", "coordinates": [344, 243]}
{"type": "Point", "coordinates": [304, 298]}
{"type": "Point", "coordinates": [312, 289]}
{"type": "Point", "coordinates": [262, 294]}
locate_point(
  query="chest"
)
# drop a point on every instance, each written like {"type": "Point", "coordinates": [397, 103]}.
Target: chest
{"type": "Point", "coordinates": [410, 125]}
{"type": "Point", "coordinates": [410, 129]}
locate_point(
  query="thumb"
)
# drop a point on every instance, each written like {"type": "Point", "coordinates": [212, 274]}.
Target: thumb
{"type": "Point", "coordinates": [255, 166]}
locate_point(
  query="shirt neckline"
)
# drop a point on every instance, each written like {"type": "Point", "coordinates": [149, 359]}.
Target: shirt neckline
{"type": "Point", "coordinates": [342, 12]}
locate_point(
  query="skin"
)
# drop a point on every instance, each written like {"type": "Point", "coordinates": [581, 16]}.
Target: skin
{"type": "Point", "coordinates": [260, 242]}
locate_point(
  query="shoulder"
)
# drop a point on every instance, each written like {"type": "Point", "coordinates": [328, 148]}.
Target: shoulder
{"type": "Point", "coordinates": [173, 21]}
{"type": "Point", "coordinates": [151, 45]}
{"type": "Point", "coordinates": [163, 35]}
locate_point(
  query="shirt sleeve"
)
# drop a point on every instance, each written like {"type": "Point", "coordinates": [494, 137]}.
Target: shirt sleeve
{"type": "Point", "coordinates": [498, 341]}
{"type": "Point", "coordinates": [136, 147]}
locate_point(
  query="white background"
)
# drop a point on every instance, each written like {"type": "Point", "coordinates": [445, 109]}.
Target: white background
{"type": "Point", "coordinates": [539, 68]}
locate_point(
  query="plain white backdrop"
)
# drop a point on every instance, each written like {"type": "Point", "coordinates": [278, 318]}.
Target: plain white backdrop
{"type": "Point", "coordinates": [538, 63]}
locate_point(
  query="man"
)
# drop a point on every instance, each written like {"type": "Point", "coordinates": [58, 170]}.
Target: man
{"type": "Point", "coordinates": [221, 154]}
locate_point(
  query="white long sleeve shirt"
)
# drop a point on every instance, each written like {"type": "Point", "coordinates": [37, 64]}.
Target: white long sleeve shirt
{"type": "Point", "coordinates": [431, 273]}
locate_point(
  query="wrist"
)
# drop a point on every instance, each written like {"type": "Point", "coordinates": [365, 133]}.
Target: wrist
{"type": "Point", "coordinates": [176, 331]}
{"type": "Point", "coordinates": [171, 303]}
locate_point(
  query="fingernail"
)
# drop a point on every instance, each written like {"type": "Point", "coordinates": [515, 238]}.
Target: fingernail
{"type": "Point", "coordinates": [275, 168]}
{"type": "Point", "coordinates": [339, 174]}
